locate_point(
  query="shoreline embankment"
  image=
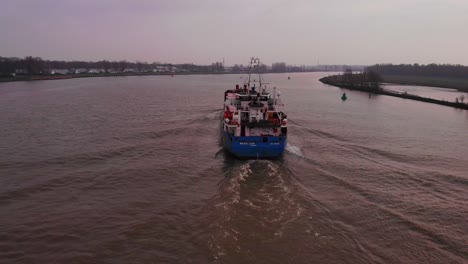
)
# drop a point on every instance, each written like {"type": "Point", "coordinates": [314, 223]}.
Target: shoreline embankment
{"type": "Point", "coordinates": [460, 84]}
{"type": "Point", "coordinates": [332, 80]}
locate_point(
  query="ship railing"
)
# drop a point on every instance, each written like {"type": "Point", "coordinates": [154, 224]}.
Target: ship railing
{"type": "Point", "coordinates": [263, 124]}
{"type": "Point", "coordinates": [256, 105]}
{"type": "Point", "coordinates": [243, 108]}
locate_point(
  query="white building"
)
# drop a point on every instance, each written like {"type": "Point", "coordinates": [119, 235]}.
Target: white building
{"type": "Point", "coordinates": [96, 71]}
{"type": "Point", "coordinates": [59, 71]}
{"type": "Point", "coordinates": [80, 70]}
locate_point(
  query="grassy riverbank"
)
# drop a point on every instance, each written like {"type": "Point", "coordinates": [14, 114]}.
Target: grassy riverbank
{"type": "Point", "coordinates": [341, 82]}
{"type": "Point", "coordinates": [460, 84]}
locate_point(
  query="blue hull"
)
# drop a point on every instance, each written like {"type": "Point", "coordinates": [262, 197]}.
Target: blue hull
{"type": "Point", "coordinates": [255, 146]}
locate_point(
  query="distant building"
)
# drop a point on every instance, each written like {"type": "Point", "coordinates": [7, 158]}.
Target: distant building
{"type": "Point", "coordinates": [95, 71]}
{"type": "Point", "coordinates": [21, 71]}
{"type": "Point", "coordinates": [80, 70]}
{"type": "Point", "coordinates": [163, 68]}
{"type": "Point", "coordinates": [59, 71]}
{"type": "Point", "coordinates": [46, 71]}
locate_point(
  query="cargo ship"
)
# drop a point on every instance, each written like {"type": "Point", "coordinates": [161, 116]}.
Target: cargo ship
{"type": "Point", "coordinates": [254, 125]}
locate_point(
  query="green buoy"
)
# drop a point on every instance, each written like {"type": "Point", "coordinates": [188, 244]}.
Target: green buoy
{"type": "Point", "coordinates": [343, 97]}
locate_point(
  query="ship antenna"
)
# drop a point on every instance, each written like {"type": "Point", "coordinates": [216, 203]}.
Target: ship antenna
{"type": "Point", "coordinates": [255, 63]}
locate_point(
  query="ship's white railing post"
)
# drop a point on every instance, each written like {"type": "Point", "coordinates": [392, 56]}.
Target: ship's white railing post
{"type": "Point", "coordinates": [274, 95]}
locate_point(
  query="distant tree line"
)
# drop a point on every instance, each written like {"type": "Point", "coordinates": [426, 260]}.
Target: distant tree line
{"type": "Point", "coordinates": [430, 70]}
{"type": "Point", "coordinates": [364, 81]}
{"type": "Point", "coordinates": [36, 65]}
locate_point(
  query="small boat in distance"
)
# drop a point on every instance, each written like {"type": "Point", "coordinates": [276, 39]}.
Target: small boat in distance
{"type": "Point", "coordinates": [253, 124]}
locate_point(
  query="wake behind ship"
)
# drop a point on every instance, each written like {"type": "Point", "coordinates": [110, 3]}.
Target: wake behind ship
{"type": "Point", "coordinates": [253, 125]}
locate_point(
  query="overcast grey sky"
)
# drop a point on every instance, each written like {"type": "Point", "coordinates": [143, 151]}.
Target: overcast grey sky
{"type": "Point", "coordinates": [204, 31]}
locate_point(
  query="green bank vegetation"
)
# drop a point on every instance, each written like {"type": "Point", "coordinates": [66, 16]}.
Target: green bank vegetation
{"type": "Point", "coordinates": [370, 82]}
{"type": "Point", "coordinates": [367, 81]}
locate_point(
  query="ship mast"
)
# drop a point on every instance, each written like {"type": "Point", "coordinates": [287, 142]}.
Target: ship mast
{"type": "Point", "coordinates": [255, 63]}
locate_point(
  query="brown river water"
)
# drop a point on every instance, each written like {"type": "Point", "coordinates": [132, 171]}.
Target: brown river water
{"type": "Point", "coordinates": [131, 170]}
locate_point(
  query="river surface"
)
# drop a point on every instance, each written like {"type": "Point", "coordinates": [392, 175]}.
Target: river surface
{"type": "Point", "coordinates": [131, 170]}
